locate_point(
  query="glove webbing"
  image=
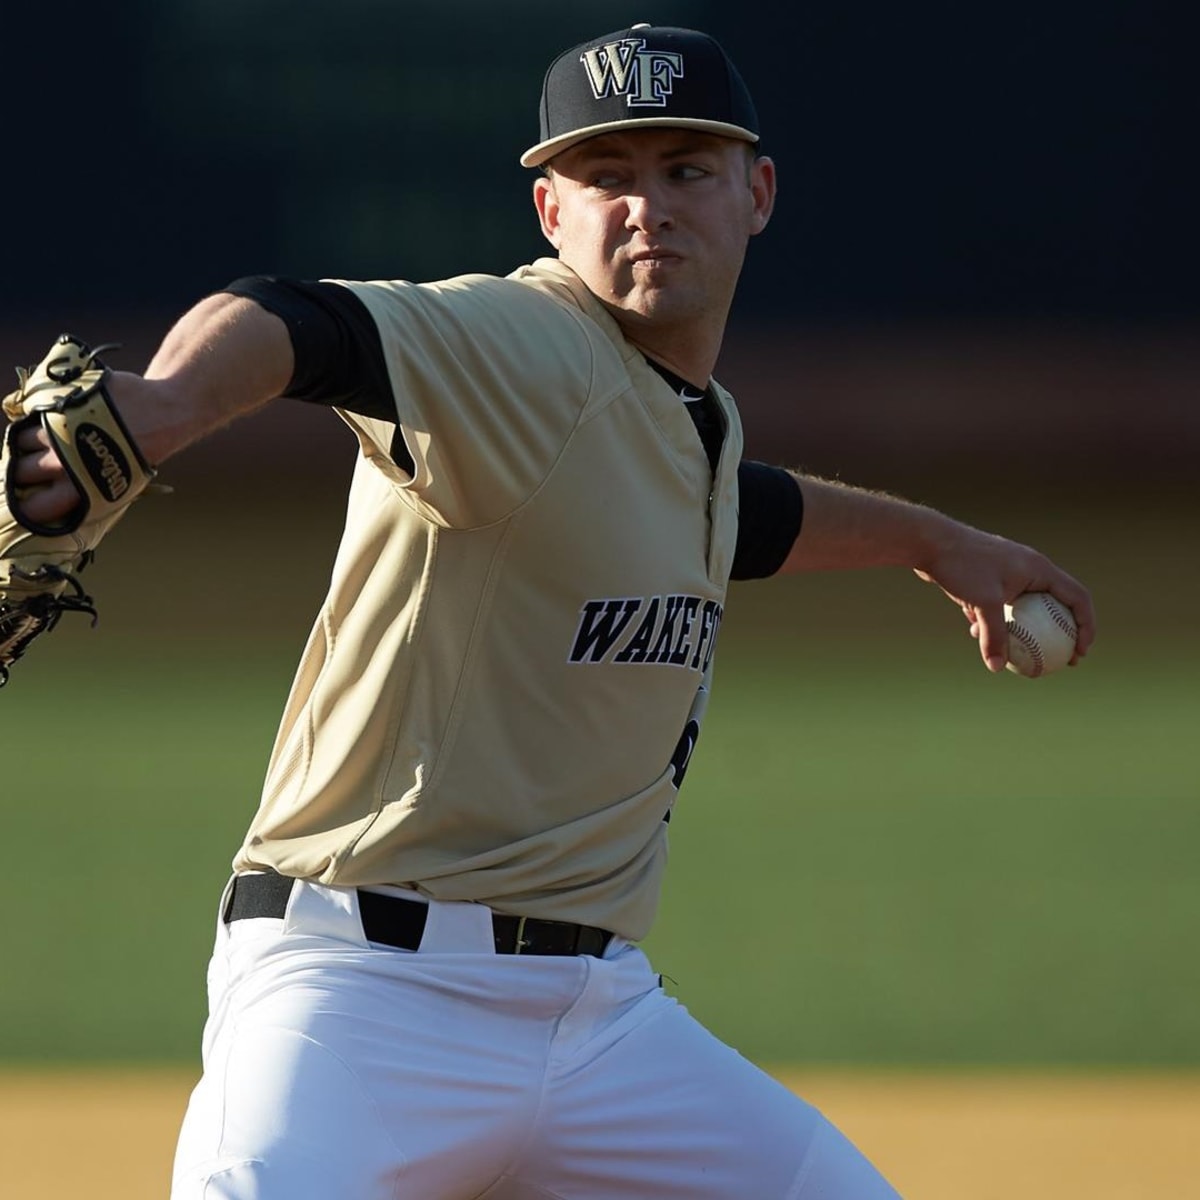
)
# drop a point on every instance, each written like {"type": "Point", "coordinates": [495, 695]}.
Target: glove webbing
{"type": "Point", "coordinates": [20, 624]}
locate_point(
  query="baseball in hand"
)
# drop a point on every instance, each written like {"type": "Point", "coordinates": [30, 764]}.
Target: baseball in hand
{"type": "Point", "coordinates": [1041, 634]}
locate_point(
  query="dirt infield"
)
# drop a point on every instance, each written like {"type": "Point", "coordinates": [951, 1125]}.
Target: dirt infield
{"type": "Point", "coordinates": [950, 1136]}
{"type": "Point", "coordinates": [1021, 1136]}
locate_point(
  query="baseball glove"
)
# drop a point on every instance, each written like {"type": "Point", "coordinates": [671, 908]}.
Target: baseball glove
{"type": "Point", "coordinates": [40, 562]}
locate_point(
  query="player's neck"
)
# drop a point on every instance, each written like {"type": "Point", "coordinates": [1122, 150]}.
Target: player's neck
{"type": "Point", "coordinates": [690, 358]}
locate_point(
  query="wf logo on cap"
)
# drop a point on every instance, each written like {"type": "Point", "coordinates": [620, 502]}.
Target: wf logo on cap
{"type": "Point", "coordinates": [633, 78]}
{"type": "Point", "coordinates": [626, 68]}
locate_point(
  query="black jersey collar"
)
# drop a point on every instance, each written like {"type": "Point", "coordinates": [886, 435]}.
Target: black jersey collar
{"type": "Point", "coordinates": [686, 391]}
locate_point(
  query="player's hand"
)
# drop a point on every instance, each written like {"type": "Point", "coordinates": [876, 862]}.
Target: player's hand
{"type": "Point", "coordinates": [37, 471]}
{"type": "Point", "coordinates": [981, 572]}
{"type": "Point", "coordinates": [47, 490]}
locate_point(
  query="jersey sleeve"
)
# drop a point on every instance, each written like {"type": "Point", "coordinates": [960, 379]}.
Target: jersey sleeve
{"type": "Point", "coordinates": [338, 355]}
{"type": "Point", "coordinates": [489, 378]}
{"type": "Point", "coordinates": [770, 512]}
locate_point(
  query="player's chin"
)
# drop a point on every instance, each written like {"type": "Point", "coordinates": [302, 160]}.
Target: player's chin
{"type": "Point", "coordinates": [655, 304]}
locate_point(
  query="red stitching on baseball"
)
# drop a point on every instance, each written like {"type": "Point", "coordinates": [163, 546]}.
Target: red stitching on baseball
{"type": "Point", "coordinates": [1059, 616]}
{"type": "Point", "coordinates": [1026, 638]}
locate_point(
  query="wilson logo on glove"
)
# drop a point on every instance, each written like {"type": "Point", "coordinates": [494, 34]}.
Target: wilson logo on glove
{"type": "Point", "coordinates": [102, 458]}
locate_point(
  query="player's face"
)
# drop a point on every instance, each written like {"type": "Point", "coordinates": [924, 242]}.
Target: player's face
{"type": "Point", "coordinates": [656, 221]}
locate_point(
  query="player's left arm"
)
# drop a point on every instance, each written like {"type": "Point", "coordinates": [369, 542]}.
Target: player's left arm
{"type": "Point", "coordinates": [221, 360]}
{"type": "Point", "coordinates": [848, 528]}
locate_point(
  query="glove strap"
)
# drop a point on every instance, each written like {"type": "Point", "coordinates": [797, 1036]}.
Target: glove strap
{"type": "Point", "coordinates": [97, 453]}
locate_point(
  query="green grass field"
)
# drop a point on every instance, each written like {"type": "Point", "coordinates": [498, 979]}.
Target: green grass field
{"type": "Point", "coordinates": [882, 854]}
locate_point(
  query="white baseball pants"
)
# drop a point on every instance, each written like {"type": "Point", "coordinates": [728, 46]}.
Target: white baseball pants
{"type": "Point", "coordinates": [337, 1070]}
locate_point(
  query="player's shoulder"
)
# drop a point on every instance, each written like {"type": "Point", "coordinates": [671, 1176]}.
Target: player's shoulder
{"type": "Point", "coordinates": [541, 317]}
{"type": "Point", "coordinates": [490, 310]}
{"type": "Point", "coordinates": [616, 361]}
{"type": "Point", "coordinates": [475, 297]}
{"type": "Point", "coordinates": [554, 281]}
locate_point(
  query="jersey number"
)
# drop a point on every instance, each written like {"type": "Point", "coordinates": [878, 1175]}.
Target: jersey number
{"type": "Point", "coordinates": [683, 755]}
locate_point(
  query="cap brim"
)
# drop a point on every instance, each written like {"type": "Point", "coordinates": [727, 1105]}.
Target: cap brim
{"type": "Point", "coordinates": [543, 151]}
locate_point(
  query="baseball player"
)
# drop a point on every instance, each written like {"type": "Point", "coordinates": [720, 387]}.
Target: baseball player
{"type": "Point", "coordinates": [427, 981]}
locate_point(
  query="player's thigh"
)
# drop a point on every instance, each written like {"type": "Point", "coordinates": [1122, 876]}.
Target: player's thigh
{"type": "Point", "coordinates": [279, 1115]}
{"type": "Point", "coordinates": [667, 1111]}
{"type": "Point", "coordinates": [356, 1076]}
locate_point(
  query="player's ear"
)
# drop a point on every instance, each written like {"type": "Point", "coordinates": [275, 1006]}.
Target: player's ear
{"type": "Point", "coordinates": [762, 192]}
{"type": "Point", "coordinates": [545, 200]}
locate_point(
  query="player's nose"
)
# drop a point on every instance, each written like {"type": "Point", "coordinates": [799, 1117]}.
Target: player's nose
{"type": "Point", "coordinates": [647, 210]}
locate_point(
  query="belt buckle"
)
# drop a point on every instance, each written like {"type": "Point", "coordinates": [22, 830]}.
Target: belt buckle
{"type": "Point", "coordinates": [519, 942]}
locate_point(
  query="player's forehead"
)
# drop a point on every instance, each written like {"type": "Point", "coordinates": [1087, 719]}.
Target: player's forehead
{"type": "Point", "coordinates": [652, 144]}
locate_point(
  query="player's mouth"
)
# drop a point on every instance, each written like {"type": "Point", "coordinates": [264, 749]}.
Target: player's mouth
{"type": "Point", "coordinates": [651, 259]}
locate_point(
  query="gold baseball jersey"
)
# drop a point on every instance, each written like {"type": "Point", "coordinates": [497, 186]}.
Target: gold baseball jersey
{"type": "Point", "coordinates": [504, 683]}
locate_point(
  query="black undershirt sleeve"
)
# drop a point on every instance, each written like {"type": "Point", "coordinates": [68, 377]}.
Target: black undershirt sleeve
{"type": "Point", "coordinates": [339, 355]}
{"type": "Point", "coordinates": [340, 363]}
{"type": "Point", "coordinates": [770, 512]}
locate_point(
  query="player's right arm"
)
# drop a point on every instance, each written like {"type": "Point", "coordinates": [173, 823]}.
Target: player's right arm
{"type": "Point", "coordinates": [846, 527]}
{"type": "Point", "coordinates": [226, 357]}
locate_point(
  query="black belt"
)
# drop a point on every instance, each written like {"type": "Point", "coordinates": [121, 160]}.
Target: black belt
{"type": "Point", "coordinates": [400, 922]}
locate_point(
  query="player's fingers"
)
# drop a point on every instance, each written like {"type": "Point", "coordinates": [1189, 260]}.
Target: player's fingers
{"type": "Point", "coordinates": [993, 635]}
{"type": "Point", "coordinates": [36, 467]}
{"type": "Point", "coordinates": [50, 502]}
{"type": "Point", "coordinates": [1078, 599]}
{"type": "Point", "coordinates": [32, 439]}
{"type": "Point", "coordinates": [968, 611]}
{"type": "Point", "coordinates": [1085, 619]}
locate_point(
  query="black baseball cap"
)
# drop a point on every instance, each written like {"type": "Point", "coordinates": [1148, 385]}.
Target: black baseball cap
{"type": "Point", "coordinates": [643, 76]}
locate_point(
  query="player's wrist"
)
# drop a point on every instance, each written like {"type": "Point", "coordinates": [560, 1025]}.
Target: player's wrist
{"type": "Point", "coordinates": [937, 538]}
{"type": "Point", "coordinates": [153, 411]}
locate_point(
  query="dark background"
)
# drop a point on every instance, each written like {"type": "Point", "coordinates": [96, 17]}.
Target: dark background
{"type": "Point", "coordinates": [937, 160]}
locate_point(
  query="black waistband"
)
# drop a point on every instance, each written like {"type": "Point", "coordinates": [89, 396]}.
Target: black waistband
{"type": "Point", "coordinates": [400, 922]}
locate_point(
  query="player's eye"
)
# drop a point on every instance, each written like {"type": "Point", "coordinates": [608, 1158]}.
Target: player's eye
{"type": "Point", "coordinates": [686, 172]}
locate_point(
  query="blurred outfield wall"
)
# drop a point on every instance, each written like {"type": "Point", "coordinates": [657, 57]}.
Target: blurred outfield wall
{"type": "Point", "coordinates": [935, 161]}
{"type": "Point", "coordinates": [1053, 407]}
